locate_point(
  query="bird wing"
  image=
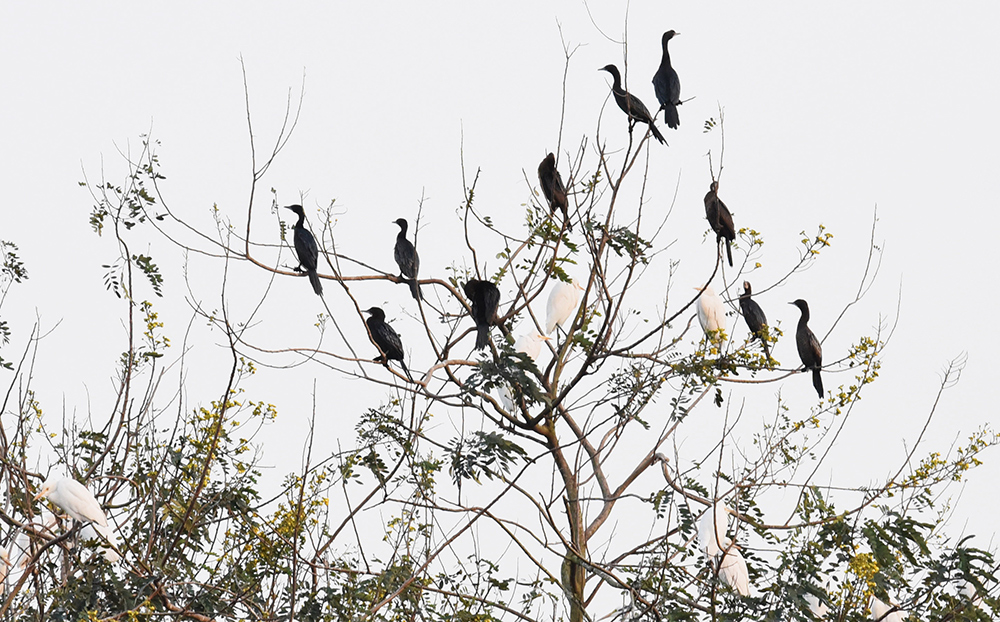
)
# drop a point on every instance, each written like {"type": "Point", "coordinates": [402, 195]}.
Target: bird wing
{"type": "Point", "coordinates": [406, 258]}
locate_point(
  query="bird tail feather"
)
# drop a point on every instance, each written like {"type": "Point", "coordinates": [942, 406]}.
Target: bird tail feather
{"type": "Point", "coordinates": [818, 382]}
{"type": "Point", "coordinates": [670, 116]}
{"type": "Point", "coordinates": [729, 253]}
{"type": "Point", "coordinates": [316, 283]}
{"type": "Point", "coordinates": [657, 134]}
{"type": "Point", "coordinates": [415, 290]}
{"type": "Point", "coordinates": [482, 336]}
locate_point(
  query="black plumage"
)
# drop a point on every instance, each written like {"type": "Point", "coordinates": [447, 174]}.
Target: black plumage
{"type": "Point", "coordinates": [407, 259]}
{"type": "Point", "coordinates": [630, 104]}
{"type": "Point", "coordinates": [553, 189]}
{"type": "Point", "coordinates": [386, 339]}
{"type": "Point", "coordinates": [485, 298]}
{"type": "Point", "coordinates": [668, 86]}
{"type": "Point", "coordinates": [810, 351]}
{"type": "Point", "coordinates": [720, 219]}
{"type": "Point", "coordinates": [753, 315]}
{"type": "Point", "coordinates": [306, 249]}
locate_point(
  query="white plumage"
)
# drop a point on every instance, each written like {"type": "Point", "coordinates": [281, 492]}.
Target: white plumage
{"type": "Point", "coordinates": [711, 311]}
{"type": "Point", "coordinates": [712, 530]}
{"type": "Point", "coordinates": [73, 498]}
{"type": "Point", "coordinates": [106, 538]}
{"type": "Point", "coordinates": [530, 344]}
{"type": "Point", "coordinates": [733, 571]}
{"type": "Point", "coordinates": [563, 300]}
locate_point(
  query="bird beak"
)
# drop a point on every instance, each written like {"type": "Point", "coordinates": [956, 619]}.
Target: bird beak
{"type": "Point", "coordinates": [546, 338]}
{"type": "Point", "coordinates": [791, 303]}
{"type": "Point", "coordinates": [38, 496]}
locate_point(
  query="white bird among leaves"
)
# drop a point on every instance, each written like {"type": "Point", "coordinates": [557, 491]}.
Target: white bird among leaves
{"type": "Point", "coordinates": [531, 345]}
{"type": "Point", "coordinates": [734, 572]}
{"type": "Point", "coordinates": [711, 311]}
{"type": "Point", "coordinates": [73, 498]}
{"type": "Point", "coordinates": [721, 550]}
{"type": "Point", "coordinates": [563, 300]}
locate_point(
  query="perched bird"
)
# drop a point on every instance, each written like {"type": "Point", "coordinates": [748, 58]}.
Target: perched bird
{"type": "Point", "coordinates": [720, 219]}
{"type": "Point", "coordinates": [810, 351]}
{"type": "Point", "coordinates": [880, 612]}
{"type": "Point", "coordinates": [753, 315]}
{"type": "Point", "coordinates": [668, 86]}
{"type": "Point", "coordinates": [733, 571]}
{"type": "Point", "coordinates": [711, 311]}
{"type": "Point", "coordinates": [306, 249]}
{"type": "Point", "coordinates": [553, 189]}
{"type": "Point", "coordinates": [531, 345]}
{"type": "Point", "coordinates": [630, 104]}
{"type": "Point", "coordinates": [407, 259]}
{"type": "Point", "coordinates": [386, 339]}
{"type": "Point", "coordinates": [485, 297]}
{"type": "Point", "coordinates": [73, 498]}
{"type": "Point", "coordinates": [712, 530]}
{"type": "Point", "coordinates": [563, 300]}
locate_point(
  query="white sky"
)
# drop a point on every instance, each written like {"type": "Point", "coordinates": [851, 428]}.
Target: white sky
{"type": "Point", "coordinates": [828, 113]}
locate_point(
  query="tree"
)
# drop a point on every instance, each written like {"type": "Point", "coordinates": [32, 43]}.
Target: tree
{"type": "Point", "coordinates": [575, 495]}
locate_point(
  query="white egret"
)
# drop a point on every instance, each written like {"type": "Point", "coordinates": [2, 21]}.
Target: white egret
{"type": "Point", "coordinates": [711, 311]}
{"type": "Point", "coordinates": [880, 612]}
{"type": "Point", "coordinates": [531, 344]}
{"type": "Point", "coordinates": [73, 498]}
{"type": "Point", "coordinates": [712, 530]}
{"type": "Point", "coordinates": [733, 571]}
{"type": "Point", "coordinates": [106, 538]}
{"type": "Point", "coordinates": [563, 300]}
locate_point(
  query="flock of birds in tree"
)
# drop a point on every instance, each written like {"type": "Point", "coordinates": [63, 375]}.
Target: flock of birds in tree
{"type": "Point", "coordinates": [484, 298]}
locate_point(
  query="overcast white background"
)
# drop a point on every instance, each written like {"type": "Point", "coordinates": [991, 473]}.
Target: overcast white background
{"type": "Point", "coordinates": [829, 111]}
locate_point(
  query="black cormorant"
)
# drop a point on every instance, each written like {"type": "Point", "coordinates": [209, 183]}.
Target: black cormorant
{"type": "Point", "coordinates": [407, 259]}
{"type": "Point", "coordinates": [386, 339]}
{"type": "Point", "coordinates": [668, 86]}
{"type": "Point", "coordinates": [720, 219]}
{"type": "Point", "coordinates": [810, 351]}
{"type": "Point", "coordinates": [753, 315]}
{"type": "Point", "coordinates": [553, 189]}
{"type": "Point", "coordinates": [630, 104]}
{"type": "Point", "coordinates": [485, 297]}
{"type": "Point", "coordinates": [306, 249]}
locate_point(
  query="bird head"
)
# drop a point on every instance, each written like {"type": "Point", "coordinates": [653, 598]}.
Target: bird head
{"type": "Point", "coordinates": [295, 208]}
{"type": "Point", "coordinates": [375, 312]}
{"type": "Point", "coordinates": [612, 70]}
{"type": "Point", "coordinates": [47, 487]}
{"type": "Point", "coordinates": [746, 288]}
{"type": "Point", "coordinates": [714, 186]}
{"type": "Point", "coordinates": [667, 36]}
{"type": "Point", "coordinates": [708, 290]}
{"type": "Point", "coordinates": [801, 304]}
{"type": "Point", "coordinates": [401, 222]}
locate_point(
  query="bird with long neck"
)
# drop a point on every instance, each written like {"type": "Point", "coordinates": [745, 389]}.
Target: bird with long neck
{"type": "Point", "coordinates": [630, 104]}
{"type": "Point", "coordinates": [306, 249]}
{"type": "Point", "coordinates": [754, 316]}
{"type": "Point", "coordinates": [553, 189]}
{"type": "Point", "coordinates": [407, 259]}
{"type": "Point", "coordinates": [386, 338]}
{"type": "Point", "coordinates": [484, 298]}
{"type": "Point", "coordinates": [667, 85]}
{"type": "Point", "coordinates": [809, 348]}
{"type": "Point", "coordinates": [720, 219]}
